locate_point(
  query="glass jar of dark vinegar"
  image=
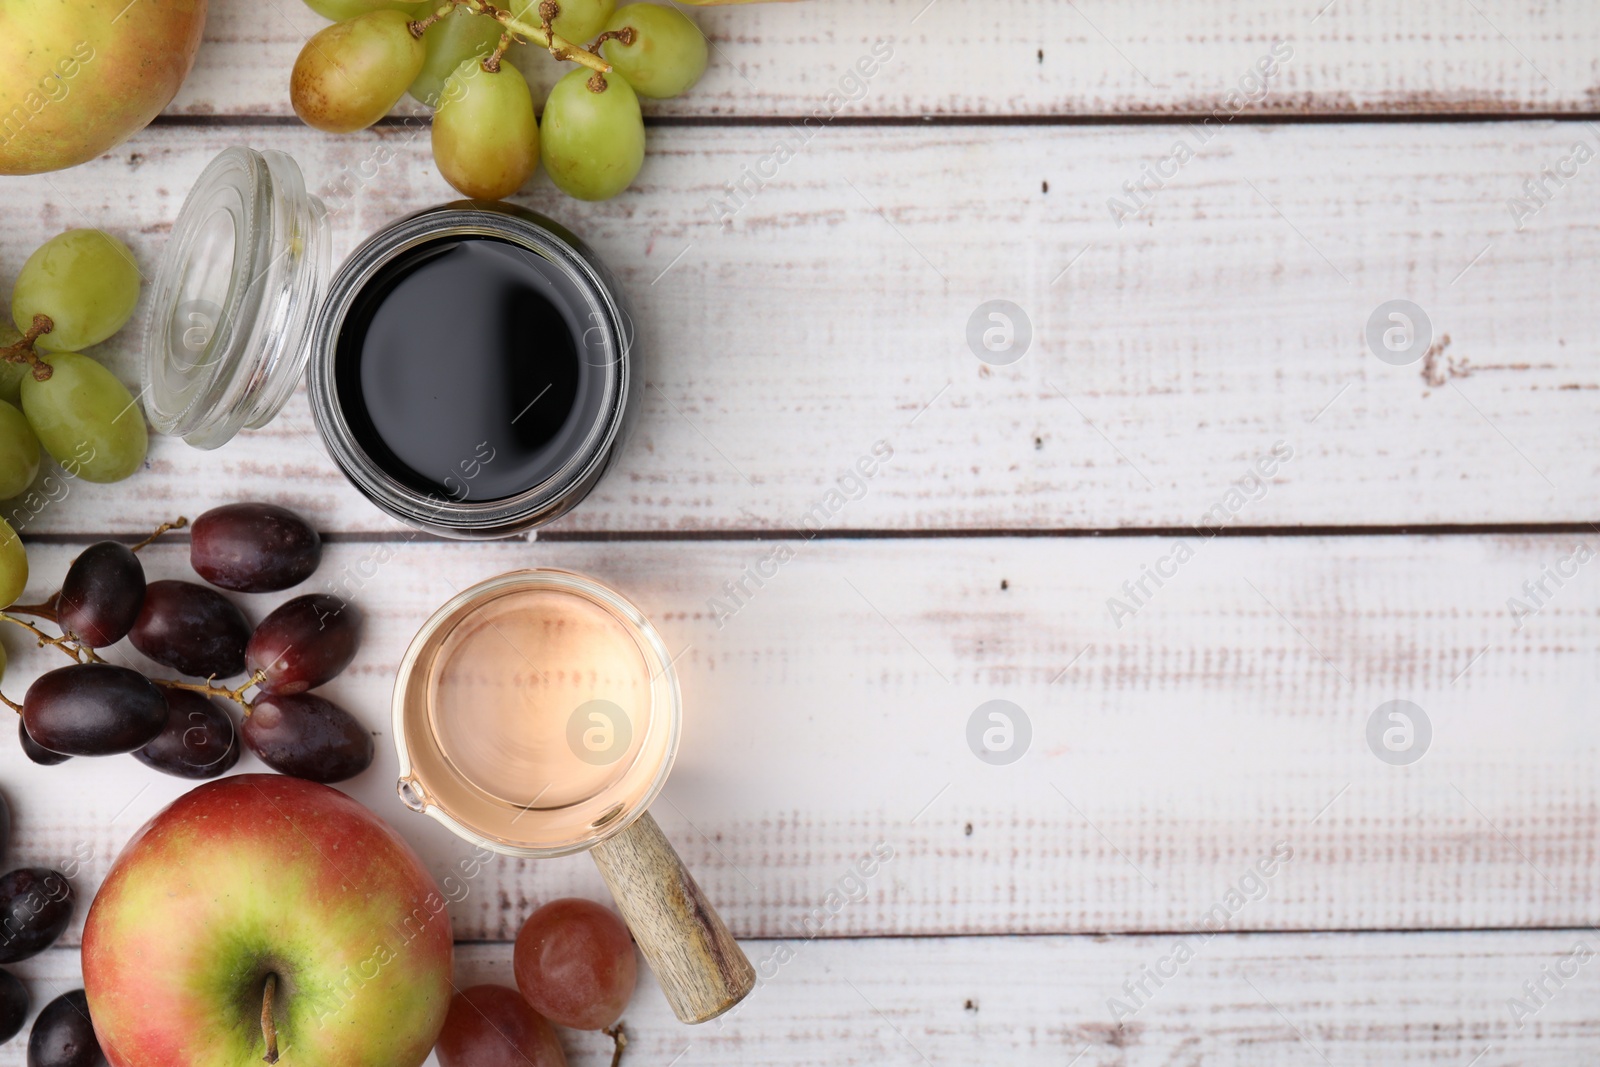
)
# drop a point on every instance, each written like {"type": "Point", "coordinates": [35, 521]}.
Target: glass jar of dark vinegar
{"type": "Point", "coordinates": [470, 366]}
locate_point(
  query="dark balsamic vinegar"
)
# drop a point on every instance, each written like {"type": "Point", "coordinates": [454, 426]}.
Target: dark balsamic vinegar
{"type": "Point", "coordinates": [459, 369]}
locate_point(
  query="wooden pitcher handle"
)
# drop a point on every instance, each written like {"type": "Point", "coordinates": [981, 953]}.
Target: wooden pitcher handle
{"type": "Point", "coordinates": [700, 966]}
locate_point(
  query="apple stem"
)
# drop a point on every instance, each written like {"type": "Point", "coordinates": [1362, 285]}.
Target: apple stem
{"type": "Point", "coordinates": [619, 1039]}
{"type": "Point", "coordinates": [269, 1030]}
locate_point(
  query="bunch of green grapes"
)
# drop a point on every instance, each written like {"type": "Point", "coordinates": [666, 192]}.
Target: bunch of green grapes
{"type": "Point", "coordinates": [487, 141]}
{"type": "Point", "coordinates": [75, 290]}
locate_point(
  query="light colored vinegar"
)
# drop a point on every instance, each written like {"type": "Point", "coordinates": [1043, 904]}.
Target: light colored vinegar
{"type": "Point", "coordinates": [539, 708]}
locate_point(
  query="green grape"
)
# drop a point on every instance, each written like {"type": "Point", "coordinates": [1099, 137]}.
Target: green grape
{"type": "Point", "coordinates": [452, 40]}
{"type": "Point", "coordinates": [13, 566]}
{"type": "Point", "coordinates": [350, 74]}
{"type": "Point", "coordinates": [485, 138]}
{"type": "Point", "coordinates": [593, 142]}
{"type": "Point", "coordinates": [85, 280]}
{"type": "Point", "coordinates": [581, 20]}
{"type": "Point", "coordinates": [19, 452]}
{"type": "Point", "coordinates": [578, 20]}
{"type": "Point", "coordinates": [10, 373]}
{"type": "Point", "coordinates": [339, 10]}
{"type": "Point", "coordinates": [86, 419]}
{"type": "Point", "coordinates": [668, 53]}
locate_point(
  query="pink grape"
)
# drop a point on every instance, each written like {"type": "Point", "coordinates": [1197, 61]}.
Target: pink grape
{"type": "Point", "coordinates": [574, 963]}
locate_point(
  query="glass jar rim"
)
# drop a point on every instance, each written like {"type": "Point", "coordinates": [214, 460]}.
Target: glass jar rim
{"type": "Point", "coordinates": [556, 494]}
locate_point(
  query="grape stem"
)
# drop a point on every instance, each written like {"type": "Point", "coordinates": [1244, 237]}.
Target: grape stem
{"type": "Point", "coordinates": [12, 704]}
{"type": "Point", "coordinates": [82, 653]}
{"type": "Point", "coordinates": [50, 610]}
{"type": "Point", "coordinates": [211, 689]}
{"type": "Point", "coordinates": [420, 26]}
{"type": "Point", "coordinates": [22, 351]}
{"type": "Point", "coordinates": [176, 524]}
{"type": "Point", "coordinates": [626, 35]}
{"type": "Point", "coordinates": [64, 643]}
{"type": "Point", "coordinates": [47, 610]}
{"type": "Point", "coordinates": [491, 62]}
{"type": "Point", "coordinates": [544, 35]}
{"type": "Point", "coordinates": [73, 646]}
{"type": "Point", "coordinates": [619, 1041]}
{"type": "Point", "coordinates": [597, 81]}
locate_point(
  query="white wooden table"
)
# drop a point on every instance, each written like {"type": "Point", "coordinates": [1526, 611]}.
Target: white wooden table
{"type": "Point", "coordinates": [1209, 723]}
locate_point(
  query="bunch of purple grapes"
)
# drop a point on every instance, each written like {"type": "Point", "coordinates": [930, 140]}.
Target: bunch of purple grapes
{"type": "Point", "coordinates": [183, 727]}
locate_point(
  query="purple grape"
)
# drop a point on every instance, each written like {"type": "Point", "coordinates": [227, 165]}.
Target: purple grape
{"type": "Point", "coordinates": [35, 751]}
{"type": "Point", "coordinates": [253, 548]}
{"type": "Point", "coordinates": [63, 1035]}
{"type": "Point", "coordinates": [308, 737]}
{"type": "Point", "coordinates": [35, 906]}
{"type": "Point", "coordinates": [14, 1003]}
{"type": "Point", "coordinates": [101, 594]}
{"type": "Point", "coordinates": [93, 709]}
{"type": "Point", "coordinates": [199, 740]}
{"type": "Point", "coordinates": [191, 629]}
{"type": "Point", "coordinates": [304, 643]}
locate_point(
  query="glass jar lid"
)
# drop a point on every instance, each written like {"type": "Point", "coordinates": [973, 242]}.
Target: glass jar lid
{"type": "Point", "coordinates": [235, 298]}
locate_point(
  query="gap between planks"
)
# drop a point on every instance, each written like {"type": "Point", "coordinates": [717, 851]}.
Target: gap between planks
{"type": "Point", "coordinates": [73, 939]}
{"type": "Point", "coordinates": [1131, 935]}
{"type": "Point", "coordinates": [777, 534]}
{"type": "Point", "coordinates": [1137, 119]}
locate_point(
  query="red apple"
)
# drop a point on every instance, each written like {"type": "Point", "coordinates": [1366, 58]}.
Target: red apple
{"type": "Point", "coordinates": [81, 76]}
{"type": "Point", "coordinates": [261, 880]}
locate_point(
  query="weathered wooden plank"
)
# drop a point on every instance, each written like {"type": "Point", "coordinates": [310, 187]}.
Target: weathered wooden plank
{"type": "Point", "coordinates": [1221, 727]}
{"type": "Point", "coordinates": [1246, 1000]}
{"type": "Point", "coordinates": [1169, 355]}
{"type": "Point", "coordinates": [1043, 57]}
